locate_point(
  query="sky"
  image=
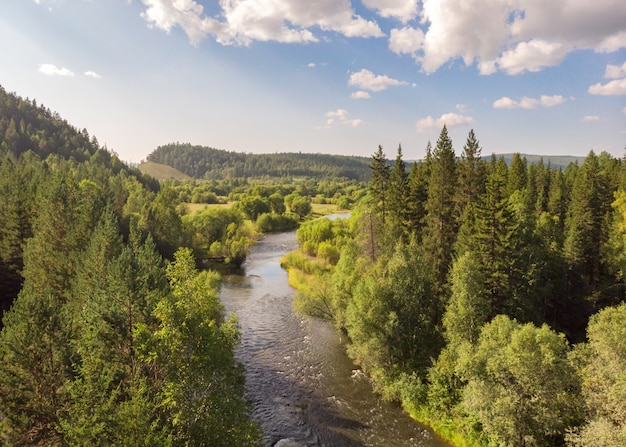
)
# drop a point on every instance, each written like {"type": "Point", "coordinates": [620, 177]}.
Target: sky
{"type": "Point", "coordinates": [325, 76]}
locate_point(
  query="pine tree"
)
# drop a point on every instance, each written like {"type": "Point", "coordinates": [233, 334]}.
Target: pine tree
{"type": "Point", "coordinates": [379, 186]}
{"type": "Point", "coordinates": [419, 176]}
{"type": "Point", "coordinates": [441, 226]}
{"type": "Point", "coordinates": [472, 174]}
{"type": "Point", "coordinates": [398, 191]}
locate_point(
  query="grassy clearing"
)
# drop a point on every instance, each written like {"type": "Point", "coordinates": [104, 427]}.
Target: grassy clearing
{"type": "Point", "coordinates": [324, 209]}
{"type": "Point", "coordinates": [161, 172]}
{"type": "Point", "coordinates": [194, 208]}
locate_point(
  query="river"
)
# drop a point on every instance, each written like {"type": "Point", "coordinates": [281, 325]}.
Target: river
{"type": "Point", "coordinates": [304, 388]}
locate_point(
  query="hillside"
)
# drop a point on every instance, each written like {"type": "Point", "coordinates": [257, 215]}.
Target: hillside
{"type": "Point", "coordinates": [209, 163]}
{"type": "Point", "coordinates": [161, 172]}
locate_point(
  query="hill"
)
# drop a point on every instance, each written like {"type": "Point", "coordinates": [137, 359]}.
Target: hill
{"type": "Point", "coordinates": [26, 126]}
{"type": "Point", "coordinates": [209, 163]}
{"type": "Point", "coordinates": [557, 161]}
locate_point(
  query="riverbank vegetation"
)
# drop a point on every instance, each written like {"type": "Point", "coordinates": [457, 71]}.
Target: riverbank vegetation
{"type": "Point", "coordinates": [487, 297]}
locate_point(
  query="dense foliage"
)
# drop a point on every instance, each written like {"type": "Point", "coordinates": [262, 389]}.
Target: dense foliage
{"type": "Point", "coordinates": [202, 162]}
{"type": "Point", "coordinates": [481, 293]}
{"type": "Point", "coordinates": [112, 337]}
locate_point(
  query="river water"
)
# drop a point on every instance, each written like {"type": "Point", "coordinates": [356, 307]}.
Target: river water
{"type": "Point", "coordinates": [304, 388]}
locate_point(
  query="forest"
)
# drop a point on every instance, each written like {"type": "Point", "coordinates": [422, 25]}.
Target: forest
{"type": "Point", "coordinates": [487, 297]}
{"type": "Point", "coordinates": [112, 329]}
{"type": "Point", "coordinates": [202, 162]}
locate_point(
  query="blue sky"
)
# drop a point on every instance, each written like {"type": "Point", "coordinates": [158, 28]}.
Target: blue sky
{"type": "Point", "coordinates": [328, 76]}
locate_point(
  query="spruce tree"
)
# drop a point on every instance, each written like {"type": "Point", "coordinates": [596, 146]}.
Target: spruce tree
{"type": "Point", "coordinates": [398, 191]}
{"type": "Point", "coordinates": [441, 225]}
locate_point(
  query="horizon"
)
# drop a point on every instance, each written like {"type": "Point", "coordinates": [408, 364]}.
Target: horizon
{"type": "Point", "coordinates": [260, 76]}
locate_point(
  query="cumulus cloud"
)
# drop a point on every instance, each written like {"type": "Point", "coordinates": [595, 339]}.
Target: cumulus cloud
{"type": "Point", "coordinates": [340, 117]}
{"type": "Point", "coordinates": [518, 35]}
{"type": "Point", "coordinates": [449, 119]}
{"type": "Point", "coordinates": [406, 40]}
{"type": "Point", "coordinates": [53, 70]}
{"type": "Point", "coordinates": [513, 36]}
{"type": "Point", "coordinates": [242, 21]}
{"type": "Point", "coordinates": [528, 103]}
{"type": "Point", "coordinates": [403, 10]}
{"type": "Point", "coordinates": [367, 80]}
{"type": "Point", "coordinates": [360, 95]}
{"type": "Point", "coordinates": [615, 87]}
{"type": "Point", "coordinates": [92, 74]}
{"type": "Point", "coordinates": [624, 110]}
{"type": "Point", "coordinates": [532, 56]}
{"type": "Point", "coordinates": [615, 71]}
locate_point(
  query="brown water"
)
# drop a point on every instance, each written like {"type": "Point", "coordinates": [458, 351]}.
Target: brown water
{"type": "Point", "coordinates": [305, 390]}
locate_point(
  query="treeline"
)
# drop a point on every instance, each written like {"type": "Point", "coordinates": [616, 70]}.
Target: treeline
{"type": "Point", "coordinates": [487, 297]}
{"type": "Point", "coordinates": [202, 162]}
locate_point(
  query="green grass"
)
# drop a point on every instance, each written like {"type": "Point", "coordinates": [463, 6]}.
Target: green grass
{"type": "Point", "coordinates": [197, 207]}
{"type": "Point", "coordinates": [161, 172]}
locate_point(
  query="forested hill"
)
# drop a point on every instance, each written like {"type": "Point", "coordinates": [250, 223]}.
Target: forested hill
{"type": "Point", "coordinates": [26, 126]}
{"type": "Point", "coordinates": [209, 163]}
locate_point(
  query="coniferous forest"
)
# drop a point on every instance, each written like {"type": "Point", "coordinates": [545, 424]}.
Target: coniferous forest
{"type": "Point", "coordinates": [111, 335]}
{"type": "Point", "coordinates": [487, 296]}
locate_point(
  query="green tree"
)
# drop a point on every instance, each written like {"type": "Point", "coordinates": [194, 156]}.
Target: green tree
{"type": "Point", "coordinates": [441, 225]}
{"type": "Point", "coordinates": [379, 186]}
{"type": "Point", "coordinates": [301, 206]}
{"type": "Point", "coordinates": [34, 366]}
{"type": "Point", "coordinates": [398, 192]}
{"type": "Point", "coordinates": [584, 222]}
{"type": "Point", "coordinates": [520, 384]}
{"type": "Point", "coordinates": [392, 318]}
{"type": "Point", "coordinates": [471, 187]}
{"type": "Point", "coordinates": [203, 386]}
{"type": "Point", "coordinates": [468, 308]}
{"type": "Point", "coordinates": [602, 366]}
{"type": "Point", "coordinates": [417, 196]}
{"type": "Point", "coordinates": [253, 206]}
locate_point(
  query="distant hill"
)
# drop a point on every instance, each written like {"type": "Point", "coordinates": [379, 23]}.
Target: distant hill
{"type": "Point", "coordinates": [161, 172]}
{"type": "Point", "coordinates": [557, 161]}
{"type": "Point", "coordinates": [203, 162]}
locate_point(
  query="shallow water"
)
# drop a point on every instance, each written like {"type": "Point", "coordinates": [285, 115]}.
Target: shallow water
{"type": "Point", "coordinates": [304, 388]}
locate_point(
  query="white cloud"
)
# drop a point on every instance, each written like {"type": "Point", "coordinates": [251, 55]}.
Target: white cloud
{"type": "Point", "coordinates": [53, 70]}
{"type": "Point", "coordinates": [528, 103]}
{"type": "Point", "coordinates": [532, 56]}
{"type": "Point", "coordinates": [518, 35]}
{"type": "Point", "coordinates": [591, 118]}
{"type": "Point", "coordinates": [550, 101]}
{"type": "Point", "coordinates": [311, 65]}
{"type": "Point", "coordinates": [406, 40]}
{"type": "Point", "coordinates": [403, 10]}
{"type": "Point", "coordinates": [360, 95]}
{"type": "Point", "coordinates": [615, 71]}
{"type": "Point", "coordinates": [624, 110]}
{"type": "Point", "coordinates": [513, 36]}
{"type": "Point", "coordinates": [367, 80]}
{"type": "Point", "coordinates": [242, 21]}
{"type": "Point", "coordinates": [339, 117]}
{"type": "Point", "coordinates": [616, 87]}
{"type": "Point", "coordinates": [449, 119]}
{"type": "Point", "coordinates": [92, 74]}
